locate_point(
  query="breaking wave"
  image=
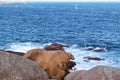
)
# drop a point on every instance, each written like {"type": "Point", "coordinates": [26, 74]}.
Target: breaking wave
{"type": "Point", "coordinates": [78, 52]}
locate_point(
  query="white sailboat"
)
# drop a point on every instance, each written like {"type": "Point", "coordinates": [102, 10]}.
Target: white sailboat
{"type": "Point", "coordinates": [76, 6]}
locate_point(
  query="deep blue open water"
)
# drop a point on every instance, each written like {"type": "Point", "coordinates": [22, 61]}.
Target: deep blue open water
{"type": "Point", "coordinates": [33, 25]}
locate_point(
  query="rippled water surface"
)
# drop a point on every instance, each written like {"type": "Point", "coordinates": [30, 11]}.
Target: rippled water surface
{"type": "Point", "coordinates": [33, 25]}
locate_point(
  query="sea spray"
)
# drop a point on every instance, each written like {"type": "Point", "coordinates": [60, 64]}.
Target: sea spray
{"type": "Point", "coordinates": [78, 52]}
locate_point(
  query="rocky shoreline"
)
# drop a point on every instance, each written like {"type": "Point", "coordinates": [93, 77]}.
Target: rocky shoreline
{"type": "Point", "coordinates": [15, 66]}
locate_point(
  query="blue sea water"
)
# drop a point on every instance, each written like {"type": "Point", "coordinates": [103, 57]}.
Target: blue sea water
{"type": "Point", "coordinates": [33, 25]}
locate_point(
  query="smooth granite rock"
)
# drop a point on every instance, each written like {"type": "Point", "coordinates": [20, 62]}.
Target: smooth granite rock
{"type": "Point", "coordinates": [14, 67]}
{"type": "Point", "coordinates": [96, 73]}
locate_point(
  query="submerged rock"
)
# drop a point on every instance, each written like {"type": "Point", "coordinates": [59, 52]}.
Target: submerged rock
{"type": "Point", "coordinates": [95, 49]}
{"type": "Point", "coordinates": [88, 58]}
{"type": "Point", "coordinates": [14, 67]}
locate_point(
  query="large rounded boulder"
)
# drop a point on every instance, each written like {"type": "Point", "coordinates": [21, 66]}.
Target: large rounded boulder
{"type": "Point", "coordinates": [56, 63]}
{"type": "Point", "coordinates": [96, 73]}
{"type": "Point", "coordinates": [14, 67]}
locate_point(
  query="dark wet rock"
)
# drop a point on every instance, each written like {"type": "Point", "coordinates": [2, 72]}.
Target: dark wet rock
{"type": "Point", "coordinates": [71, 64]}
{"type": "Point", "coordinates": [96, 73]}
{"type": "Point", "coordinates": [55, 46]}
{"type": "Point", "coordinates": [14, 67]}
{"type": "Point", "coordinates": [88, 58]}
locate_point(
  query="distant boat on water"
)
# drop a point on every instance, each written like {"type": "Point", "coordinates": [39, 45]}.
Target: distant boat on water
{"type": "Point", "coordinates": [76, 6]}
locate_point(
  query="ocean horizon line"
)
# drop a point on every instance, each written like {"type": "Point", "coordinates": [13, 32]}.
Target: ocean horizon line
{"type": "Point", "coordinates": [65, 1]}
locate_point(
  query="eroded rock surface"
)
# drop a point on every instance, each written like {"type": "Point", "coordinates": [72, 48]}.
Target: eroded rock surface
{"type": "Point", "coordinates": [14, 67]}
{"type": "Point", "coordinates": [96, 73]}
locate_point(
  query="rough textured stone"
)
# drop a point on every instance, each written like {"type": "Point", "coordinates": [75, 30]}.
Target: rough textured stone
{"type": "Point", "coordinates": [55, 63]}
{"type": "Point", "coordinates": [14, 67]}
{"type": "Point", "coordinates": [96, 73]}
{"type": "Point", "coordinates": [73, 75]}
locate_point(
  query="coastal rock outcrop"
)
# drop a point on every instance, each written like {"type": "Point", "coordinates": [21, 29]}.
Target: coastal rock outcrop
{"type": "Point", "coordinates": [89, 58]}
{"type": "Point", "coordinates": [14, 67]}
{"type": "Point", "coordinates": [55, 63]}
{"type": "Point", "coordinates": [55, 46]}
{"type": "Point", "coordinates": [96, 73]}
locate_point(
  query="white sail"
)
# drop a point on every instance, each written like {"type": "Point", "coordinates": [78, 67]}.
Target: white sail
{"type": "Point", "coordinates": [76, 7]}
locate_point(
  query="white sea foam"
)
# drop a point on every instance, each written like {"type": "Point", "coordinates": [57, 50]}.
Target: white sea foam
{"type": "Point", "coordinates": [22, 47]}
{"type": "Point", "coordinates": [78, 53]}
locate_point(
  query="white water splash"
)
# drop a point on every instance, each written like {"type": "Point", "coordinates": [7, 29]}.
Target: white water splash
{"type": "Point", "coordinates": [22, 47]}
{"type": "Point", "coordinates": [78, 53]}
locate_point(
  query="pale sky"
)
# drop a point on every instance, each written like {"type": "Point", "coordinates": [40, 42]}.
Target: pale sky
{"type": "Point", "coordinates": [66, 0]}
